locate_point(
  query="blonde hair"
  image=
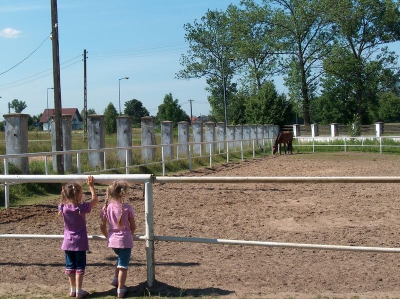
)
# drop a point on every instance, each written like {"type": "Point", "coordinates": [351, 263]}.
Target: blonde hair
{"type": "Point", "coordinates": [116, 191]}
{"type": "Point", "coordinates": [70, 191]}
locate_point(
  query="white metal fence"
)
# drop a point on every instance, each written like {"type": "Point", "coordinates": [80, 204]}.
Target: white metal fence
{"type": "Point", "coordinates": [149, 236]}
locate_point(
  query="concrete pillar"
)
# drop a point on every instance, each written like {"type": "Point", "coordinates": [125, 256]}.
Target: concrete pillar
{"type": "Point", "coordinates": [230, 136]}
{"type": "Point", "coordinates": [16, 135]}
{"type": "Point", "coordinates": [183, 138]}
{"type": "Point", "coordinates": [296, 130]}
{"type": "Point", "coordinates": [379, 129]}
{"type": "Point", "coordinates": [220, 127]}
{"type": "Point", "coordinates": [148, 138]}
{"type": "Point", "coordinates": [246, 134]}
{"type": "Point", "coordinates": [266, 131]}
{"type": "Point", "coordinates": [314, 130]}
{"type": "Point", "coordinates": [167, 137]}
{"type": "Point", "coordinates": [197, 128]}
{"type": "Point", "coordinates": [96, 139]}
{"type": "Point", "coordinates": [260, 134]}
{"type": "Point", "coordinates": [273, 132]}
{"type": "Point", "coordinates": [210, 136]}
{"type": "Point", "coordinates": [334, 130]}
{"type": "Point", "coordinates": [66, 120]}
{"type": "Point", "coordinates": [124, 138]}
{"type": "Point", "coordinates": [253, 132]}
{"type": "Point", "coordinates": [238, 135]}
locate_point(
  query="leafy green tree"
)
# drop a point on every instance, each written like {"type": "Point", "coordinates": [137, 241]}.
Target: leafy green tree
{"type": "Point", "coordinates": [135, 109]}
{"type": "Point", "coordinates": [303, 34]}
{"type": "Point", "coordinates": [210, 52]}
{"type": "Point", "coordinates": [255, 42]}
{"type": "Point", "coordinates": [218, 106]}
{"type": "Point", "coordinates": [362, 27]}
{"type": "Point", "coordinates": [110, 115]}
{"type": "Point", "coordinates": [89, 112]}
{"type": "Point", "coordinates": [33, 122]}
{"type": "Point", "coordinates": [268, 107]}
{"type": "Point", "coordinates": [18, 106]}
{"type": "Point", "coordinates": [389, 108]}
{"type": "Point", "coordinates": [170, 110]}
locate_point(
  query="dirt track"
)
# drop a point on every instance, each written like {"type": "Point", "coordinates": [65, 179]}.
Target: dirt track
{"type": "Point", "coordinates": [335, 214]}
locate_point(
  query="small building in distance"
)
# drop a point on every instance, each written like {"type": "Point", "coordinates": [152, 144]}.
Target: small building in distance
{"type": "Point", "coordinates": [48, 114]}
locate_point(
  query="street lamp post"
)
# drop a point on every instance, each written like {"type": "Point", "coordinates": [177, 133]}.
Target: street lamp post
{"type": "Point", "coordinates": [224, 91]}
{"type": "Point", "coordinates": [48, 122]}
{"type": "Point", "coordinates": [119, 92]}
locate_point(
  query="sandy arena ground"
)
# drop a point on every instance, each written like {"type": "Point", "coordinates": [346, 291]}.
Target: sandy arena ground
{"type": "Point", "coordinates": [333, 214]}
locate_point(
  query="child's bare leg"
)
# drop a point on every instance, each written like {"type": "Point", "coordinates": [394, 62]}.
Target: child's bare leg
{"type": "Point", "coordinates": [116, 271]}
{"type": "Point", "coordinates": [71, 279]}
{"type": "Point", "coordinates": [79, 281]}
{"type": "Point", "coordinates": [122, 274]}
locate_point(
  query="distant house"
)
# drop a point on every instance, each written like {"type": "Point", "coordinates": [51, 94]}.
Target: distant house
{"type": "Point", "coordinates": [201, 118]}
{"type": "Point", "coordinates": [48, 114]}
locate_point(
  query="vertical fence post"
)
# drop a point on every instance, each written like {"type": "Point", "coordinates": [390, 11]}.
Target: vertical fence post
{"type": "Point", "coordinates": [46, 166]}
{"type": "Point", "coordinates": [227, 151]}
{"type": "Point", "coordinates": [344, 139]}
{"type": "Point", "coordinates": [263, 145]}
{"type": "Point", "coordinates": [241, 148]}
{"type": "Point", "coordinates": [313, 145]}
{"type": "Point", "coordinates": [128, 156]}
{"type": "Point", "coordinates": [190, 158]}
{"type": "Point", "coordinates": [254, 149]}
{"type": "Point", "coordinates": [162, 160]}
{"type": "Point", "coordinates": [210, 155]}
{"type": "Point", "coordinates": [380, 145]}
{"type": "Point", "coordinates": [148, 198]}
{"type": "Point", "coordinates": [78, 162]}
{"type": "Point", "coordinates": [6, 187]}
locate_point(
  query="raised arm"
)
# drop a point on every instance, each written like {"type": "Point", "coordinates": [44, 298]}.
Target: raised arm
{"type": "Point", "coordinates": [90, 182]}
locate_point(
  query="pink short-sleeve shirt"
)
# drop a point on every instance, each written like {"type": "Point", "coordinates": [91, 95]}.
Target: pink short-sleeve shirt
{"type": "Point", "coordinates": [75, 231]}
{"type": "Point", "coordinates": [119, 236]}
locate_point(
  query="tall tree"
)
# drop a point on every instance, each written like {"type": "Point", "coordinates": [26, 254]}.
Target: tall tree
{"type": "Point", "coordinates": [362, 27]}
{"type": "Point", "coordinates": [268, 107]}
{"type": "Point", "coordinates": [110, 115]}
{"type": "Point", "coordinates": [170, 110]}
{"type": "Point", "coordinates": [210, 52]}
{"type": "Point", "coordinates": [135, 109]}
{"type": "Point", "coordinates": [255, 42]}
{"type": "Point", "coordinates": [304, 34]}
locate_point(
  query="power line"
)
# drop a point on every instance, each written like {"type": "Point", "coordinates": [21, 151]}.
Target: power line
{"type": "Point", "coordinates": [34, 76]}
{"type": "Point", "coordinates": [25, 57]}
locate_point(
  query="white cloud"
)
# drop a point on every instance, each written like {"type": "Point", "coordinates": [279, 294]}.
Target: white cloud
{"type": "Point", "coordinates": [9, 33]}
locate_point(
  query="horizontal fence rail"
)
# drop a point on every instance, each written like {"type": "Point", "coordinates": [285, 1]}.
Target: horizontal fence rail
{"type": "Point", "coordinates": [227, 180]}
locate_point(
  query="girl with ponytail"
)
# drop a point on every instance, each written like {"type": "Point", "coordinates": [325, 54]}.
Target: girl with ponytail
{"type": "Point", "coordinates": [118, 226]}
{"type": "Point", "coordinates": [75, 243]}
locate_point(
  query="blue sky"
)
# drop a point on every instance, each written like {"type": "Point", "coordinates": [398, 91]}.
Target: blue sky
{"type": "Point", "coordinates": [139, 39]}
{"type": "Point", "coordinates": [142, 40]}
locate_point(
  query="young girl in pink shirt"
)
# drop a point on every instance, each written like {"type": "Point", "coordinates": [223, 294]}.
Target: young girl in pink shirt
{"type": "Point", "coordinates": [120, 219]}
{"type": "Point", "coordinates": [75, 242]}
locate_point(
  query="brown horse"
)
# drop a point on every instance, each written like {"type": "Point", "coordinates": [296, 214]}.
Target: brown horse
{"type": "Point", "coordinates": [284, 137]}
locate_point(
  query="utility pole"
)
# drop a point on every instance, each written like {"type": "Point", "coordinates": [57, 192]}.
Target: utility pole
{"type": "Point", "coordinates": [191, 115]}
{"type": "Point", "coordinates": [84, 96]}
{"type": "Point", "coordinates": [57, 86]}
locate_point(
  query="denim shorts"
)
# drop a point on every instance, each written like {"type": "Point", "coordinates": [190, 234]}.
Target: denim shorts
{"type": "Point", "coordinates": [75, 262]}
{"type": "Point", "coordinates": [124, 255]}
